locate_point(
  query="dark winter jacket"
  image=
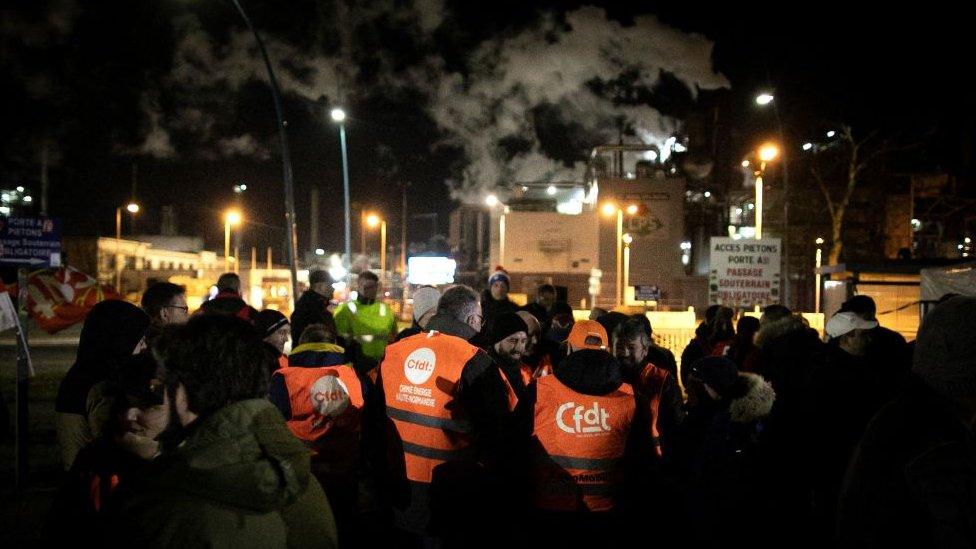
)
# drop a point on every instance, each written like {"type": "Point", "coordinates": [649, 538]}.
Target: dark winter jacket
{"type": "Point", "coordinates": [491, 309]}
{"type": "Point", "coordinates": [912, 481]}
{"type": "Point", "coordinates": [722, 468]}
{"type": "Point", "coordinates": [846, 391]}
{"type": "Point", "coordinates": [311, 308]}
{"type": "Point", "coordinates": [88, 489]}
{"type": "Point", "coordinates": [240, 479]}
{"type": "Point", "coordinates": [231, 304]}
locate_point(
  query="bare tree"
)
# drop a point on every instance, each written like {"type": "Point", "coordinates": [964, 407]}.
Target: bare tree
{"type": "Point", "coordinates": [841, 165]}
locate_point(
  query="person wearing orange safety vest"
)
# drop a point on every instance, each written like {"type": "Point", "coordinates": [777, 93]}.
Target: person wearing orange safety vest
{"type": "Point", "coordinates": [322, 398]}
{"type": "Point", "coordinates": [447, 410]}
{"type": "Point", "coordinates": [657, 389]}
{"type": "Point", "coordinates": [582, 441]}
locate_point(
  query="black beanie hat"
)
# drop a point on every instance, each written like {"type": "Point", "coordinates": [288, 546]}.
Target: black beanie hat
{"type": "Point", "coordinates": [506, 325]}
{"type": "Point", "coordinates": [268, 321]}
{"type": "Point", "coordinates": [945, 353]}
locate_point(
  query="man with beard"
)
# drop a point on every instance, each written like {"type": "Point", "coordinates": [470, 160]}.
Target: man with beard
{"type": "Point", "coordinates": [509, 337]}
{"type": "Point", "coordinates": [658, 395]}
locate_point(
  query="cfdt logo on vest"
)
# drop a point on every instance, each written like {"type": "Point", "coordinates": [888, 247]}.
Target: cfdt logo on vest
{"type": "Point", "coordinates": [330, 396]}
{"type": "Point", "coordinates": [419, 365]}
{"type": "Point", "coordinates": [582, 421]}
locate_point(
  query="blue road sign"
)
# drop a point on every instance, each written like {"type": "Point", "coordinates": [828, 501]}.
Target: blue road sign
{"type": "Point", "coordinates": [30, 242]}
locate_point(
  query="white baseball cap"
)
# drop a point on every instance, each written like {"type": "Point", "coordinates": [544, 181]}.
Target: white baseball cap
{"type": "Point", "coordinates": [842, 323]}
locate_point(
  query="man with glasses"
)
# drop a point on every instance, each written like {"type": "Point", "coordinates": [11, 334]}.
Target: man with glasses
{"type": "Point", "coordinates": [165, 303]}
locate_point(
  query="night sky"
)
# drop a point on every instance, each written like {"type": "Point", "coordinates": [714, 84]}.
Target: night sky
{"type": "Point", "coordinates": [449, 96]}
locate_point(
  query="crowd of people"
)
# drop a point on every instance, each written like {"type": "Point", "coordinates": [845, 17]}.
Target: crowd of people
{"type": "Point", "coordinates": [489, 424]}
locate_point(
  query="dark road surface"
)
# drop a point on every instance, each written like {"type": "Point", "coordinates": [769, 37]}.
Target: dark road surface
{"type": "Point", "coordinates": [22, 514]}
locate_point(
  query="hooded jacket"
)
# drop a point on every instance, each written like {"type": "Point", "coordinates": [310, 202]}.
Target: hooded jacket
{"type": "Point", "coordinates": [239, 479]}
{"type": "Point", "coordinates": [110, 334]}
{"type": "Point", "coordinates": [310, 309]}
{"type": "Point", "coordinates": [724, 476]}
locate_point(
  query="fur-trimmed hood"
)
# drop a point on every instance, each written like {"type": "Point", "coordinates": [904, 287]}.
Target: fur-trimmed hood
{"type": "Point", "coordinates": [779, 328]}
{"type": "Point", "coordinates": [756, 403]}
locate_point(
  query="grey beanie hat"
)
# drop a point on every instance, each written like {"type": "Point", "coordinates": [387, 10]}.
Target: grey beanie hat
{"type": "Point", "coordinates": [945, 353]}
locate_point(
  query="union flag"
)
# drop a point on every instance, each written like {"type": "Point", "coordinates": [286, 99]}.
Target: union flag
{"type": "Point", "coordinates": [60, 297]}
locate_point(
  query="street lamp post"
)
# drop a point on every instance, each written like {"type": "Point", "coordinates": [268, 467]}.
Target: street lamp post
{"type": "Point", "coordinates": [609, 209]}
{"type": "Point", "coordinates": [767, 153]}
{"type": "Point", "coordinates": [232, 217]}
{"type": "Point", "coordinates": [764, 99]}
{"type": "Point", "coordinates": [819, 260]}
{"type": "Point", "coordinates": [133, 209]}
{"type": "Point", "coordinates": [627, 240]}
{"type": "Point", "coordinates": [372, 220]}
{"type": "Point", "coordinates": [290, 220]}
{"type": "Point", "coordinates": [493, 202]}
{"type": "Point", "coordinates": [339, 116]}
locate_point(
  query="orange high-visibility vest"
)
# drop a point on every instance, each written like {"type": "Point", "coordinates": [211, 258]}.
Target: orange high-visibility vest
{"type": "Point", "coordinates": [282, 361]}
{"type": "Point", "coordinates": [652, 383]}
{"type": "Point", "coordinates": [420, 377]}
{"type": "Point", "coordinates": [581, 441]}
{"type": "Point", "coordinates": [323, 400]}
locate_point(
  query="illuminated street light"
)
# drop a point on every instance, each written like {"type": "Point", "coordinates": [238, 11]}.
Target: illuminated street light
{"type": "Point", "coordinates": [768, 152]}
{"type": "Point", "coordinates": [764, 99]}
{"type": "Point", "coordinates": [551, 190]}
{"type": "Point", "coordinates": [628, 240]}
{"type": "Point", "coordinates": [632, 209]}
{"type": "Point", "coordinates": [807, 146]}
{"type": "Point", "coordinates": [231, 217]}
{"type": "Point", "coordinates": [819, 241]}
{"type": "Point", "coordinates": [28, 199]}
{"type": "Point", "coordinates": [20, 189]}
{"type": "Point", "coordinates": [319, 251]}
{"type": "Point", "coordinates": [133, 209]}
{"type": "Point", "coordinates": [338, 115]}
{"type": "Point", "coordinates": [372, 221]}
{"type": "Point", "coordinates": [491, 200]}
{"type": "Point", "coordinates": [831, 133]}
{"type": "Point", "coordinates": [745, 163]}
{"type": "Point", "coordinates": [708, 194]}
{"type": "Point", "coordinates": [608, 209]}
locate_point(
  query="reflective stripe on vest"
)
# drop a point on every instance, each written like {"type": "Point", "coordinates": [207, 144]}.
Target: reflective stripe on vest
{"type": "Point", "coordinates": [323, 400]}
{"type": "Point", "coordinates": [420, 375]}
{"type": "Point", "coordinates": [652, 384]}
{"type": "Point", "coordinates": [581, 445]}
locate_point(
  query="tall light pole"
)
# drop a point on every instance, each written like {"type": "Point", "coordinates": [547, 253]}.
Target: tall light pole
{"type": "Point", "coordinates": [762, 100]}
{"type": "Point", "coordinates": [610, 209]}
{"type": "Point", "coordinates": [339, 117]}
{"type": "Point", "coordinates": [492, 201]}
{"type": "Point", "coordinates": [818, 261]}
{"type": "Point", "coordinates": [767, 153]}
{"type": "Point", "coordinates": [133, 209]}
{"type": "Point", "coordinates": [627, 240]}
{"type": "Point", "coordinates": [291, 223]}
{"type": "Point", "coordinates": [372, 221]}
{"type": "Point", "coordinates": [231, 217]}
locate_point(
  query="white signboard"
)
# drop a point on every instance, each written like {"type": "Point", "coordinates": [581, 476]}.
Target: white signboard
{"type": "Point", "coordinates": [432, 271]}
{"type": "Point", "coordinates": [744, 272]}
